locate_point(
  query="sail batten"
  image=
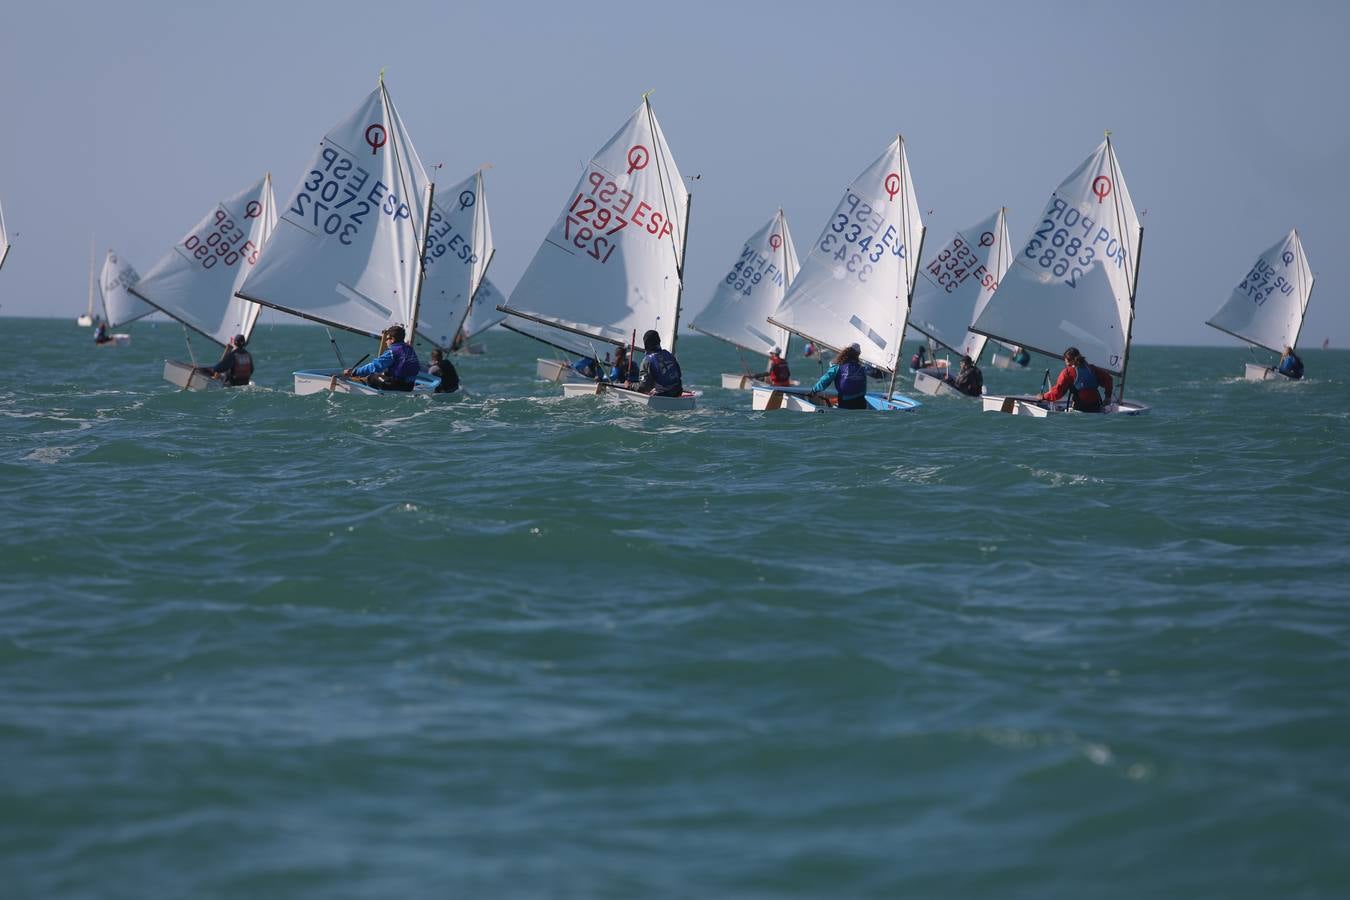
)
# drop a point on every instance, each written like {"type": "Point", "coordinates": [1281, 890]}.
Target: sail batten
{"type": "Point", "coordinates": [353, 228]}
{"type": "Point", "coordinates": [196, 281]}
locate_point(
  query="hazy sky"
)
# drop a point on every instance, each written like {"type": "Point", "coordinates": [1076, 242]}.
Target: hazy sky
{"type": "Point", "coordinates": [129, 121]}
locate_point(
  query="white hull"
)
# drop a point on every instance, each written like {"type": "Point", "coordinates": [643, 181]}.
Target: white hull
{"type": "Point", "coordinates": [733, 382]}
{"type": "Point", "coordinates": [1254, 372]}
{"type": "Point", "coordinates": [316, 381]}
{"type": "Point", "coordinates": [937, 368]}
{"type": "Point", "coordinates": [685, 402]}
{"type": "Point", "coordinates": [85, 321]}
{"type": "Point", "coordinates": [186, 376]}
{"type": "Point", "coordinates": [115, 340]}
{"type": "Point", "coordinates": [1042, 409]}
{"type": "Point", "coordinates": [933, 386]}
{"type": "Point", "coordinates": [768, 399]}
{"type": "Point", "coordinates": [557, 371]}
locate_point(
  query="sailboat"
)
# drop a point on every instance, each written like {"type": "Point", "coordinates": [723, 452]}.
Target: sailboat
{"type": "Point", "coordinates": [1073, 282]}
{"type": "Point", "coordinates": [349, 244]}
{"type": "Point", "coordinates": [738, 313]}
{"type": "Point", "coordinates": [459, 250]}
{"type": "Point", "coordinates": [857, 281]}
{"type": "Point", "coordinates": [1267, 308]}
{"type": "Point", "coordinates": [956, 286]}
{"type": "Point", "coordinates": [86, 319]}
{"type": "Point", "coordinates": [4, 241]}
{"type": "Point", "coordinates": [117, 282]}
{"type": "Point", "coordinates": [612, 265]}
{"type": "Point", "coordinates": [194, 282]}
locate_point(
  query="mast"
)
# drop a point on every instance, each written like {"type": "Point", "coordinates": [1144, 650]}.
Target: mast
{"type": "Point", "coordinates": [679, 269]}
{"type": "Point", "coordinates": [1134, 279]}
{"type": "Point", "coordinates": [90, 312]}
{"type": "Point", "coordinates": [1303, 313]}
{"type": "Point", "coordinates": [895, 373]}
{"type": "Point", "coordinates": [419, 241]}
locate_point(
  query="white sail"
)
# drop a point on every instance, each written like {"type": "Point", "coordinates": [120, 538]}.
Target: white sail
{"type": "Point", "coordinates": [569, 342]}
{"type": "Point", "coordinates": [483, 312]}
{"type": "Point", "coordinates": [957, 282]}
{"type": "Point", "coordinates": [117, 283]}
{"type": "Point", "coordinates": [347, 247]}
{"type": "Point", "coordinates": [858, 277]}
{"type": "Point", "coordinates": [1267, 308]}
{"type": "Point", "coordinates": [195, 282]}
{"type": "Point", "coordinates": [4, 238]}
{"type": "Point", "coordinates": [613, 261]}
{"type": "Point", "coordinates": [1073, 281]}
{"type": "Point", "coordinates": [753, 288]}
{"type": "Point", "coordinates": [459, 247]}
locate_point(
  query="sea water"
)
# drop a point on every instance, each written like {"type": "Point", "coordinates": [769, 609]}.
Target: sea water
{"type": "Point", "coordinates": [504, 644]}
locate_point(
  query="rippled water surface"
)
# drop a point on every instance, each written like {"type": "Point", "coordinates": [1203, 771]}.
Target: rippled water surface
{"type": "Point", "coordinates": [509, 645]}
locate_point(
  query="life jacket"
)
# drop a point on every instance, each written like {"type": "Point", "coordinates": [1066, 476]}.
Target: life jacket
{"type": "Point", "coordinates": [449, 376]}
{"type": "Point", "coordinates": [1292, 366]}
{"type": "Point", "coordinates": [666, 374]}
{"type": "Point", "coordinates": [1086, 389]}
{"type": "Point", "coordinates": [850, 381]}
{"type": "Point", "coordinates": [779, 373]}
{"type": "Point", "coordinates": [917, 361]}
{"type": "Point", "coordinates": [406, 364]}
{"type": "Point", "coordinates": [243, 368]}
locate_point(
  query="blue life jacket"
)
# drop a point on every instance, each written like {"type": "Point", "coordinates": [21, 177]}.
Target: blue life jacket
{"type": "Point", "coordinates": [1292, 366]}
{"type": "Point", "coordinates": [850, 381]}
{"type": "Point", "coordinates": [666, 374]}
{"type": "Point", "coordinates": [1085, 380]}
{"type": "Point", "coordinates": [406, 364]}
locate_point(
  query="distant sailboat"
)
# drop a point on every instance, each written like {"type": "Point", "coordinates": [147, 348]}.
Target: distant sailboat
{"type": "Point", "coordinates": [120, 307]}
{"type": "Point", "coordinates": [483, 314]}
{"type": "Point", "coordinates": [956, 286]}
{"type": "Point", "coordinates": [612, 266]}
{"type": "Point", "coordinates": [1073, 283]}
{"type": "Point", "coordinates": [349, 245]}
{"type": "Point", "coordinates": [1267, 308]}
{"type": "Point", "coordinates": [459, 250]}
{"type": "Point", "coordinates": [857, 280]}
{"type": "Point", "coordinates": [754, 286]}
{"type": "Point", "coordinates": [195, 281]}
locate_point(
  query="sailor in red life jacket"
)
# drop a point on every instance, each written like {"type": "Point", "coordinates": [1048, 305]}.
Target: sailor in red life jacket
{"type": "Point", "coordinates": [236, 366]}
{"type": "Point", "coordinates": [1081, 381]}
{"type": "Point", "coordinates": [778, 375]}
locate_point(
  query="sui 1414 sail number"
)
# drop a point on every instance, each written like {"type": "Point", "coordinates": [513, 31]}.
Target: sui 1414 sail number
{"type": "Point", "coordinates": [1064, 243]}
{"type": "Point", "coordinates": [1262, 281]}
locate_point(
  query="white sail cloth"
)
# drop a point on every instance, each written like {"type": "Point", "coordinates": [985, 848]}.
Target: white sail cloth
{"type": "Point", "coordinates": [1073, 281]}
{"type": "Point", "coordinates": [459, 247]}
{"type": "Point", "coordinates": [195, 282]}
{"type": "Point", "coordinates": [613, 261]}
{"type": "Point", "coordinates": [1267, 307]}
{"type": "Point", "coordinates": [857, 279]}
{"type": "Point", "coordinates": [348, 245]}
{"type": "Point", "coordinates": [116, 284]}
{"type": "Point", "coordinates": [957, 282]}
{"type": "Point", "coordinates": [483, 312]}
{"type": "Point", "coordinates": [4, 237]}
{"type": "Point", "coordinates": [752, 290]}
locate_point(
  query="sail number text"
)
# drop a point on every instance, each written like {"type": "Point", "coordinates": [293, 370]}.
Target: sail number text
{"type": "Point", "coordinates": [1065, 244]}
{"type": "Point", "coordinates": [221, 241]}
{"type": "Point", "coordinates": [855, 237]}
{"type": "Point", "coordinates": [957, 263]}
{"type": "Point", "coordinates": [445, 240]}
{"type": "Point", "coordinates": [596, 216]}
{"type": "Point", "coordinates": [335, 198]}
{"type": "Point", "coordinates": [1262, 281]}
{"type": "Point", "coordinates": [752, 268]}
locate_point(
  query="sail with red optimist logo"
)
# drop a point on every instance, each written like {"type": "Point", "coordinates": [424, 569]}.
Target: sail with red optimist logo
{"type": "Point", "coordinates": [751, 291]}
{"type": "Point", "coordinates": [956, 283]}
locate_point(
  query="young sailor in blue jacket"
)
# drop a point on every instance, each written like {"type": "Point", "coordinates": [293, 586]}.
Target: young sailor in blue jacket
{"type": "Point", "coordinates": [1290, 365]}
{"type": "Point", "coordinates": [661, 375]}
{"type": "Point", "coordinates": [393, 370]}
{"type": "Point", "coordinates": [623, 369]}
{"type": "Point", "coordinates": [849, 378]}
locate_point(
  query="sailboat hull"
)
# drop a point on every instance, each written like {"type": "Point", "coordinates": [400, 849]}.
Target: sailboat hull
{"type": "Point", "coordinates": [317, 381]}
{"type": "Point", "coordinates": [187, 377]}
{"type": "Point", "coordinates": [85, 321]}
{"type": "Point", "coordinates": [116, 340]}
{"type": "Point", "coordinates": [557, 371]}
{"type": "Point", "coordinates": [768, 399]}
{"type": "Point", "coordinates": [1042, 409]}
{"type": "Point", "coordinates": [1254, 372]}
{"type": "Point", "coordinates": [934, 386]}
{"type": "Point", "coordinates": [682, 403]}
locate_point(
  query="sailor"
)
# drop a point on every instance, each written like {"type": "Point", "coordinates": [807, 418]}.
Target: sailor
{"type": "Point", "coordinates": [623, 369]}
{"type": "Point", "coordinates": [101, 333]}
{"type": "Point", "coordinates": [236, 364]}
{"type": "Point", "coordinates": [778, 374]}
{"type": "Point", "coordinates": [442, 368]}
{"type": "Point", "coordinates": [970, 380]}
{"type": "Point", "coordinates": [661, 375]}
{"type": "Point", "coordinates": [849, 378]}
{"type": "Point", "coordinates": [587, 367]}
{"type": "Point", "coordinates": [1290, 365]}
{"type": "Point", "coordinates": [920, 360]}
{"type": "Point", "coordinates": [395, 369]}
{"type": "Point", "coordinates": [1021, 357]}
{"type": "Point", "coordinates": [1087, 386]}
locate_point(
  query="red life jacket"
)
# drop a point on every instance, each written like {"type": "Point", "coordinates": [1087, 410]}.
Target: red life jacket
{"type": "Point", "coordinates": [779, 373]}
